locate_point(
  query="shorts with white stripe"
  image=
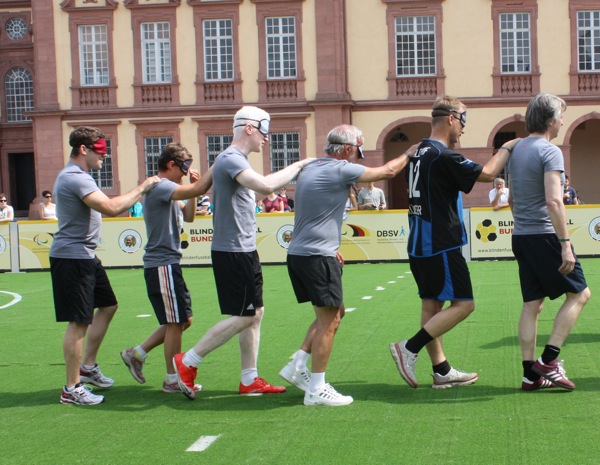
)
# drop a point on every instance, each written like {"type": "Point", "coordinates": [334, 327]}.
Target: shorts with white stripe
{"type": "Point", "coordinates": [168, 294]}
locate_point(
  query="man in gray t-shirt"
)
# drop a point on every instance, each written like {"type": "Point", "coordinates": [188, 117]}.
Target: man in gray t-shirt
{"type": "Point", "coordinates": [236, 265]}
{"type": "Point", "coordinates": [548, 266]}
{"type": "Point", "coordinates": [314, 263]}
{"type": "Point", "coordinates": [165, 212]}
{"type": "Point", "coordinates": [79, 281]}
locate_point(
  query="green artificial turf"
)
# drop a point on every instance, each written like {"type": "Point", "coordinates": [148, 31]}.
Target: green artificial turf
{"type": "Point", "coordinates": [491, 422]}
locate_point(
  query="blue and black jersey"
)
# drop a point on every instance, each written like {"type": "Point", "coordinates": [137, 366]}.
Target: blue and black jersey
{"type": "Point", "coordinates": [436, 177]}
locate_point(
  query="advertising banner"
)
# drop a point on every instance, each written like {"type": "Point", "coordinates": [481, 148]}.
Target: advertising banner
{"type": "Point", "coordinates": [491, 231]}
{"type": "Point", "coordinates": [4, 247]}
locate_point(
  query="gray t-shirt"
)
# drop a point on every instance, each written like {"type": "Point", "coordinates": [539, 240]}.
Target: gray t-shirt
{"type": "Point", "coordinates": [376, 197]}
{"type": "Point", "coordinates": [234, 223]}
{"type": "Point", "coordinates": [530, 159]}
{"type": "Point", "coordinates": [164, 220]}
{"type": "Point", "coordinates": [78, 225]}
{"type": "Point", "coordinates": [321, 193]}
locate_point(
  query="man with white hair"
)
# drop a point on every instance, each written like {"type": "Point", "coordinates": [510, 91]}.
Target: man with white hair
{"type": "Point", "coordinates": [236, 265]}
{"type": "Point", "coordinates": [499, 195]}
{"type": "Point", "coordinates": [314, 264]}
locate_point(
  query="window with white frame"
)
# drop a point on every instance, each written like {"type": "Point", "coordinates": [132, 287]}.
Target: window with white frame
{"type": "Point", "coordinates": [281, 47]}
{"type": "Point", "coordinates": [285, 149]}
{"type": "Point", "coordinates": [93, 55]}
{"type": "Point", "coordinates": [18, 86]}
{"type": "Point", "coordinates": [215, 144]}
{"type": "Point", "coordinates": [156, 52]}
{"type": "Point", "coordinates": [415, 46]}
{"type": "Point", "coordinates": [588, 40]}
{"type": "Point", "coordinates": [104, 176]}
{"type": "Point", "coordinates": [515, 43]}
{"type": "Point", "coordinates": [152, 148]}
{"type": "Point", "coordinates": [218, 49]}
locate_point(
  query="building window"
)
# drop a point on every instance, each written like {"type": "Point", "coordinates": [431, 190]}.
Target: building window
{"type": "Point", "coordinates": [285, 149]}
{"type": "Point", "coordinates": [588, 40]}
{"type": "Point", "coordinates": [152, 148]}
{"type": "Point", "coordinates": [281, 47]}
{"type": "Point", "coordinates": [215, 144]}
{"type": "Point", "coordinates": [218, 49]}
{"type": "Point", "coordinates": [93, 55]}
{"type": "Point", "coordinates": [415, 46]}
{"type": "Point", "coordinates": [16, 28]}
{"type": "Point", "coordinates": [156, 52]}
{"type": "Point", "coordinates": [104, 176]}
{"type": "Point", "coordinates": [19, 94]}
{"type": "Point", "coordinates": [515, 43]}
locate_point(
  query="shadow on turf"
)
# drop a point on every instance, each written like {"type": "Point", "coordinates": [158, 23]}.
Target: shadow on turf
{"type": "Point", "coordinates": [575, 338]}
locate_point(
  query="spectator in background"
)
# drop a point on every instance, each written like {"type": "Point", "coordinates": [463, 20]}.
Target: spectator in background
{"type": "Point", "coordinates": [6, 211]}
{"type": "Point", "coordinates": [569, 194]}
{"type": "Point", "coordinates": [351, 203]}
{"type": "Point", "coordinates": [136, 210]}
{"type": "Point", "coordinates": [288, 204]}
{"type": "Point", "coordinates": [499, 195]}
{"type": "Point", "coordinates": [47, 208]}
{"type": "Point", "coordinates": [260, 208]}
{"type": "Point", "coordinates": [371, 198]}
{"type": "Point", "coordinates": [273, 203]}
{"type": "Point", "coordinates": [204, 207]}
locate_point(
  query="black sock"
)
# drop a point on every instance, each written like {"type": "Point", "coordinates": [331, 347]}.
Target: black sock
{"type": "Point", "coordinates": [528, 372]}
{"type": "Point", "coordinates": [442, 368]}
{"type": "Point", "coordinates": [550, 353]}
{"type": "Point", "coordinates": [418, 341]}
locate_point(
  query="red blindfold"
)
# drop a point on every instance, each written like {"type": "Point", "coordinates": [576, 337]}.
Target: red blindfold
{"type": "Point", "coordinates": [100, 147]}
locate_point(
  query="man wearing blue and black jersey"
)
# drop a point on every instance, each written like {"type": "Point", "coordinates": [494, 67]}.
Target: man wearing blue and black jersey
{"type": "Point", "coordinates": [436, 177]}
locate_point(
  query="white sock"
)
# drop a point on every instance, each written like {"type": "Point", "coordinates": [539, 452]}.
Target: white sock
{"type": "Point", "coordinates": [301, 359]}
{"type": "Point", "coordinates": [317, 380]}
{"type": "Point", "coordinates": [172, 378]}
{"type": "Point", "coordinates": [142, 353]}
{"type": "Point", "coordinates": [191, 358]}
{"type": "Point", "coordinates": [89, 367]}
{"type": "Point", "coordinates": [248, 376]}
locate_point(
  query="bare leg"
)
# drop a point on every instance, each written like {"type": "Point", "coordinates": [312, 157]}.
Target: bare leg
{"type": "Point", "coordinates": [249, 341]}
{"type": "Point", "coordinates": [308, 339]}
{"type": "Point", "coordinates": [72, 349]}
{"type": "Point", "coordinates": [220, 333]}
{"type": "Point", "coordinates": [172, 340]}
{"type": "Point", "coordinates": [328, 320]}
{"type": "Point", "coordinates": [156, 338]}
{"type": "Point", "coordinates": [528, 327]}
{"type": "Point", "coordinates": [96, 333]}
{"type": "Point", "coordinates": [567, 316]}
{"type": "Point", "coordinates": [435, 349]}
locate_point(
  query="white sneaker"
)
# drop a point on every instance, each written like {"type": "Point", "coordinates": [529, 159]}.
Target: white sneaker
{"type": "Point", "coordinates": [171, 388]}
{"type": "Point", "coordinates": [327, 395]}
{"type": "Point", "coordinates": [453, 378]}
{"type": "Point", "coordinates": [95, 377]}
{"type": "Point", "coordinates": [80, 395]}
{"type": "Point", "coordinates": [405, 361]}
{"type": "Point", "coordinates": [300, 379]}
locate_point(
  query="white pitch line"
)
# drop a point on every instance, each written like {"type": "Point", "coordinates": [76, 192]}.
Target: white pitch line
{"type": "Point", "coordinates": [351, 309]}
{"type": "Point", "coordinates": [16, 299]}
{"type": "Point", "coordinates": [203, 443]}
{"type": "Point", "coordinates": [143, 316]}
{"type": "Point", "coordinates": [379, 288]}
{"type": "Point", "coordinates": [391, 282]}
{"type": "Point", "coordinates": [367, 297]}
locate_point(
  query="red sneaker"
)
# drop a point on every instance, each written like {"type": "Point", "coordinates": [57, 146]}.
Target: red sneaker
{"type": "Point", "coordinates": [185, 376]}
{"type": "Point", "coordinates": [541, 383]}
{"type": "Point", "coordinates": [260, 387]}
{"type": "Point", "coordinates": [553, 371]}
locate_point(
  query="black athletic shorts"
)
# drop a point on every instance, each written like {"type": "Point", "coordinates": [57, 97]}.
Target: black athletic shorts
{"type": "Point", "coordinates": [239, 281]}
{"type": "Point", "coordinates": [168, 294]}
{"type": "Point", "coordinates": [442, 277]}
{"type": "Point", "coordinates": [539, 257]}
{"type": "Point", "coordinates": [79, 286]}
{"type": "Point", "coordinates": [316, 279]}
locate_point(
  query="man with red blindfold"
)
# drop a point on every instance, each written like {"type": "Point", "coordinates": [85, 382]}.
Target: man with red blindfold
{"type": "Point", "coordinates": [79, 281]}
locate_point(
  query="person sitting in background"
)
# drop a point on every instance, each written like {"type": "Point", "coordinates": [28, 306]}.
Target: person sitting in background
{"type": "Point", "coordinates": [203, 207]}
{"type": "Point", "coordinates": [136, 210]}
{"type": "Point", "coordinates": [287, 202]}
{"type": "Point", "coordinates": [47, 208]}
{"type": "Point", "coordinates": [6, 211]}
{"type": "Point", "coordinates": [371, 198]}
{"type": "Point", "coordinates": [569, 194]}
{"type": "Point", "coordinates": [499, 195]}
{"type": "Point", "coordinates": [273, 203]}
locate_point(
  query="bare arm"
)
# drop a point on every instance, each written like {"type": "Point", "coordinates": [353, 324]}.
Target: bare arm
{"type": "Point", "coordinates": [270, 183]}
{"type": "Point", "coordinates": [496, 203]}
{"type": "Point", "coordinates": [558, 216]}
{"type": "Point", "coordinates": [99, 201]}
{"type": "Point", "coordinates": [189, 208]}
{"type": "Point", "coordinates": [197, 186]}
{"type": "Point", "coordinates": [494, 165]}
{"type": "Point", "coordinates": [41, 211]}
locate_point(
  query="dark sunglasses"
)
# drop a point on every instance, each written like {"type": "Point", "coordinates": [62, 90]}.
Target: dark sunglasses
{"type": "Point", "coordinates": [48, 196]}
{"type": "Point", "coordinates": [184, 165]}
{"type": "Point", "coordinates": [2, 200]}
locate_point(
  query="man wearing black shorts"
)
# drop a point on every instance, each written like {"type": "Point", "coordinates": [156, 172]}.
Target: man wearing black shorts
{"type": "Point", "coordinates": [79, 281]}
{"type": "Point", "coordinates": [548, 266]}
{"type": "Point", "coordinates": [436, 177]}
{"type": "Point", "coordinates": [314, 264]}
{"type": "Point", "coordinates": [236, 266]}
